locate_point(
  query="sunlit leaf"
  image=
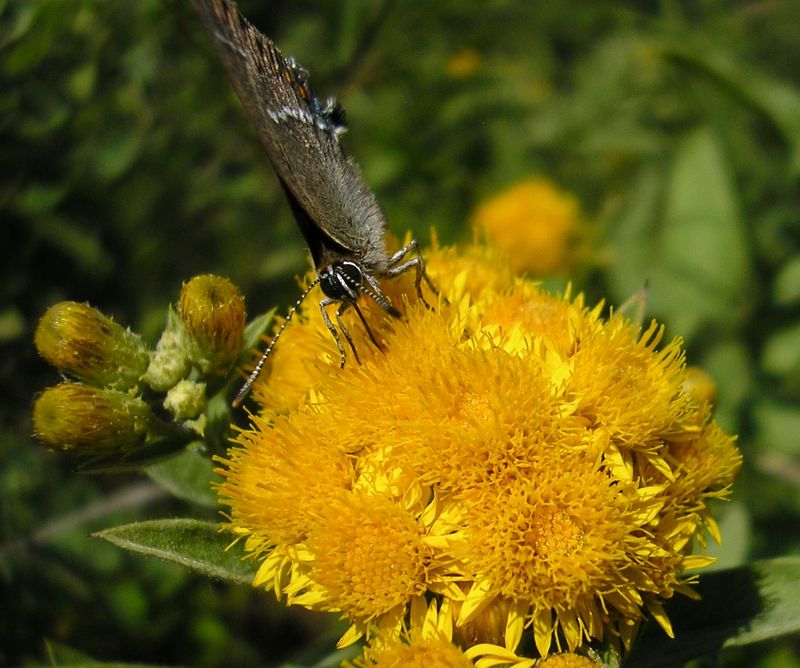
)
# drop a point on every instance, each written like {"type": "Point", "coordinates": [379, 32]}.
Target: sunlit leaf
{"type": "Point", "coordinates": [703, 269]}
{"type": "Point", "coordinates": [738, 607]}
{"type": "Point", "coordinates": [199, 546]}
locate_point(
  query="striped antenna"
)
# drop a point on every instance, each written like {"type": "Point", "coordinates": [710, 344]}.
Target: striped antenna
{"type": "Point", "coordinates": [257, 370]}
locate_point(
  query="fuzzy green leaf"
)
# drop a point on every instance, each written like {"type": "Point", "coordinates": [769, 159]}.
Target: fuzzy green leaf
{"type": "Point", "coordinates": [739, 607]}
{"type": "Point", "coordinates": [189, 476]}
{"type": "Point", "coordinates": [197, 545]}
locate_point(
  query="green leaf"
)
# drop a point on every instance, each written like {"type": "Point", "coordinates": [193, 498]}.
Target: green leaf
{"type": "Point", "coordinates": [218, 414]}
{"type": "Point", "coordinates": [61, 654]}
{"type": "Point", "coordinates": [781, 355]}
{"type": "Point", "coordinates": [786, 288]}
{"type": "Point", "coordinates": [26, 54]}
{"type": "Point", "coordinates": [735, 527]}
{"type": "Point", "coordinates": [197, 545]}
{"type": "Point", "coordinates": [739, 607]}
{"type": "Point", "coordinates": [779, 101]}
{"type": "Point", "coordinates": [189, 476]}
{"type": "Point", "coordinates": [38, 199]}
{"type": "Point", "coordinates": [83, 247]}
{"type": "Point", "coordinates": [777, 425]}
{"type": "Point", "coordinates": [331, 659]}
{"type": "Point", "coordinates": [254, 331]}
{"type": "Point", "coordinates": [631, 236]}
{"type": "Point", "coordinates": [703, 267]}
{"type": "Point", "coordinates": [116, 154]}
{"type": "Point", "coordinates": [730, 365]}
{"type": "Point", "coordinates": [152, 452]}
{"type": "Point", "coordinates": [319, 653]}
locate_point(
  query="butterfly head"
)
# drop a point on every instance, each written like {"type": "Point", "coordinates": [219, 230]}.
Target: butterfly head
{"type": "Point", "coordinates": [342, 280]}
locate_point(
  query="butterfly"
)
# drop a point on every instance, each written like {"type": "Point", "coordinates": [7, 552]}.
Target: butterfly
{"type": "Point", "coordinates": [338, 216]}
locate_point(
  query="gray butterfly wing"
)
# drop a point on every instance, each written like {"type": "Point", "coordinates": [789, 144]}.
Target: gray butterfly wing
{"type": "Point", "coordinates": [335, 210]}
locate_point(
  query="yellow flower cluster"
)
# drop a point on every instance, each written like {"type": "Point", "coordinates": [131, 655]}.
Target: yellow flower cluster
{"type": "Point", "coordinates": [510, 460]}
{"type": "Point", "coordinates": [536, 224]}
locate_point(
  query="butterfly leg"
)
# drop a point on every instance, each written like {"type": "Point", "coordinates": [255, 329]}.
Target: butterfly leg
{"type": "Point", "coordinates": [367, 327]}
{"type": "Point", "coordinates": [327, 320]}
{"type": "Point", "coordinates": [342, 308]}
{"type": "Point", "coordinates": [395, 269]}
{"type": "Point", "coordinates": [375, 293]}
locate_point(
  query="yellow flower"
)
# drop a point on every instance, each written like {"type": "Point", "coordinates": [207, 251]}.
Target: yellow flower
{"type": "Point", "coordinates": [367, 556]}
{"type": "Point", "coordinates": [433, 653]}
{"type": "Point", "coordinates": [566, 661]}
{"type": "Point", "coordinates": [511, 456]}
{"type": "Point", "coordinates": [536, 224]}
{"type": "Point", "coordinates": [425, 641]}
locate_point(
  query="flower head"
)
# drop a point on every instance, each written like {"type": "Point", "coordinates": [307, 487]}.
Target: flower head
{"type": "Point", "coordinates": [510, 456]}
{"type": "Point", "coordinates": [425, 641]}
{"type": "Point", "coordinates": [535, 223]}
{"type": "Point", "coordinates": [567, 660]}
{"type": "Point", "coordinates": [427, 653]}
{"type": "Point", "coordinates": [368, 556]}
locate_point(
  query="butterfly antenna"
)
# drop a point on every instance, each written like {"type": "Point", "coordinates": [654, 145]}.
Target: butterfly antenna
{"type": "Point", "coordinates": [240, 397]}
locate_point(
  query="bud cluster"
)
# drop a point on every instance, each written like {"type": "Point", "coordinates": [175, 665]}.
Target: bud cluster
{"type": "Point", "coordinates": [120, 395]}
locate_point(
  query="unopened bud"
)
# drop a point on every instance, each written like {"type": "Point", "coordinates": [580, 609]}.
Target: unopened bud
{"type": "Point", "coordinates": [212, 310]}
{"type": "Point", "coordinates": [170, 360]}
{"type": "Point", "coordinates": [186, 400]}
{"type": "Point", "coordinates": [83, 342]}
{"type": "Point", "coordinates": [90, 421]}
{"type": "Point", "coordinates": [699, 385]}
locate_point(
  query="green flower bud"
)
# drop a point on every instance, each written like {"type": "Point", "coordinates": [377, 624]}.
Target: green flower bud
{"type": "Point", "coordinates": [89, 421]}
{"type": "Point", "coordinates": [212, 310]}
{"type": "Point", "coordinates": [83, 342]}
{"type": "Point", "coordinates": [186, 400]}
{"type": "Point", "coordinates": [170, 361]}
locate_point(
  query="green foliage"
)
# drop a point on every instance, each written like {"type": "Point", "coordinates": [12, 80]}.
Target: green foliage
{"type": "Point", "coordinates": [128, 167]}
{"type": "Point", "coordinates": [199, 546]}
{"type": "Point", "coordinates": [695, 251]}
{"type": "Point", "coordinates": [738, 607]}
{"type": "Point", "coordinates": [188, 476]}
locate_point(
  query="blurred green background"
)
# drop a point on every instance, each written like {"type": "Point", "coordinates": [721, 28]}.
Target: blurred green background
{"type": "Point", "coordinates": [127, 166]}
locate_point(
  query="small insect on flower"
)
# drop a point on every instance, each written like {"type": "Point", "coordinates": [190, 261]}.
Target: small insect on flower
{"type": "Point", "coordinates": [341, 221]}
